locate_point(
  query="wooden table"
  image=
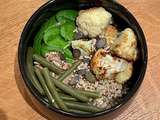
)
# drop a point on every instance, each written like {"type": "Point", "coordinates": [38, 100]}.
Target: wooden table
{"type": "Point", "coordinates": [13, 16]}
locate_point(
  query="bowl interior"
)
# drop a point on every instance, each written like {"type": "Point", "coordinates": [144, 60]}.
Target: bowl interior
{"type": "Point", "coordinates": [121, 17]}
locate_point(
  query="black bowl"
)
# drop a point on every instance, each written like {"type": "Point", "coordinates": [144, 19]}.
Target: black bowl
{"type": "Point", "coordinates": [122, 17]}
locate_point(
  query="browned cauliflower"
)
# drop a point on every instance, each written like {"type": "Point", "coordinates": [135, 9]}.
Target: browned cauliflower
{"type": "Point", "coordinates": [111, 33]}
{"type": "Point", "coordinates": [104, 66]}
{"type": "Point", "coordinates": [93, 21]}
{"type": "Point", "coordinates": [125, 45]}
{"type": "Point", "coordinates": [123, 76]}
{"type": "Point", "coordinates": [85, 47]}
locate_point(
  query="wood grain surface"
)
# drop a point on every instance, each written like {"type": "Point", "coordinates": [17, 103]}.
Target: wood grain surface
{"type": "Point", "coordinates": [13, 16]}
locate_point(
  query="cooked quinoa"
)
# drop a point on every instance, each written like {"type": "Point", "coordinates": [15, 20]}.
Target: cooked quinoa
{"type": "Point", "coordinates": [108, 89]}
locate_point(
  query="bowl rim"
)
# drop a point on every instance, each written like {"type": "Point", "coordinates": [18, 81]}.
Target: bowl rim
{"type": "Point", "coordinates": [38, 97]}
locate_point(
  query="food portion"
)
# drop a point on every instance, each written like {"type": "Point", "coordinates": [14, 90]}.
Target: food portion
{"type": "Point", "coordinates": [111, 34]}
{"type": "Point", "coordinates": [126, 45]}
{"type": "Point", "coordinates": [93, 21]}
{"type": "Point", "coordinates": [81, 62]}
{"type": "Point", "coordinates": [86, 47]}
{"type": "Point", "coordinates": [105, 66]}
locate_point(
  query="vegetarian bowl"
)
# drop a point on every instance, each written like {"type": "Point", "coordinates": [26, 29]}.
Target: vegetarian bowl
{"type": "Point", "coordinates": [82, 59]}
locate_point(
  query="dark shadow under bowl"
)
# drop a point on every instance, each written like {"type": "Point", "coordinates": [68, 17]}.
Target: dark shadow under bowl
{"type": "Point", "coordinates": [122, 17]}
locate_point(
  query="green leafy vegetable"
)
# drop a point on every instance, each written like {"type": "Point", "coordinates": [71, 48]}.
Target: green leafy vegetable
{"type": "Point", "coordinates": [56, 41]}
{"type": "Point", "coordinates": [66, 14]}
{"type": "Point", "coordinates": [37, 40]}
{"type": "Point", "coordinates": [68, 53]}
{"type": "Point", "coordinates": [51, 22]}
{"type": "Point", "coordinates": [50, 34]}
{"type": "Point", "coordinates": [45, 49]}
{"type": "Point", "coordinates": [39, 36]}
{"type": "Point", "coordinates": [56, 34]}
{"type": "Point", "coordinates": [69, 60]}
{"type": "Point", "coordinates": [67, 30]}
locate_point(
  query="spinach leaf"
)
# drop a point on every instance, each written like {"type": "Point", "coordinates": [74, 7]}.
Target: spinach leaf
{"type": "Point", "coordinates": [55, 36]}
{"type": "Point", "coordinates": [66, 14]}
{"type": "Point", "coordinates": [38, 39]}
{"type": "Point", "coordinates": [52, 21]}
{"type": "Point", "coordinates": [50, 33]}
{"type": "Point", "coordinates": [68, 53]}
{"type": "Point", "coordinates": [69, 60]}
{"type": "Point", "coordinates": [67, 30]}
{"type": "Point", "coordinates": [45, 49]}
{"type": "Point", "coordinates": [39, 36]}
{"type": "Point", "coordinates": [56, 41]}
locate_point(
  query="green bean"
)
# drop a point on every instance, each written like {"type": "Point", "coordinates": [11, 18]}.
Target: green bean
{"type": "Point", "coordinates": [52, 89]}
{"type": "Point", "coordinates": [48, 64]}
{"type": "Point", "coordinates": [78, 111]}
{"type": "Point", "coordinates": [89, 93]}
{"type": "Point", "coordinates": [55, 105]}
{"type": "Point", "coordinates": [31, 74]}
{"type": "Point", "coordinates": [46, 90]}
{"type": "Point", "coordinates": [69, 71]}
{"type": "Point", "coordinates": [70, 91]}
{"type": "Point", "coordinates": [90, 77]}
{"type": "Point", "coordinates": [67, 97]}
{"type": "Point", "coordinates": [82, 107]}
{"type": "Point", "coordinates": [58, 90]}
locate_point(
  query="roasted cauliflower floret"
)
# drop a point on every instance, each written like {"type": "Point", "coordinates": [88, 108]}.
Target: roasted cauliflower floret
{"type": "Point", "coordinates": [122, 77]}
{"type": "Point", "coordinates": [125, 45]}
{"type": "Point", "coordinates": [104, 66]}
{"type": "Point", "coordinates": [85, 47]}
{"type": "Point", "coordinates": [92, 21]}
{"type": "Point", "coordinates": [111, 33]}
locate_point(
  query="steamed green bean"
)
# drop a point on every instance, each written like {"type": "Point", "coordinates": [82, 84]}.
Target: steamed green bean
{"type": "Point", "coordinates": [52, 89]}
{"type": "Point", "coordinates": [46, 90]}
{"type": "Point", "coordinates": [67, 97]}
{"type": "Point", "coordinates": [82, 107]}
{"type": "Point", "coordinates": [78, 111]}
{"type": "Point", "coordinates": [70, 91]}
{"type": "Point", "coordinates": [69, 71]}
{"type": "Point", "coordinates": [31, 74]}
{"type": "Point", "coordinates": [48, 64]}
{"type": "Point", "coordinates": [91, 94]}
